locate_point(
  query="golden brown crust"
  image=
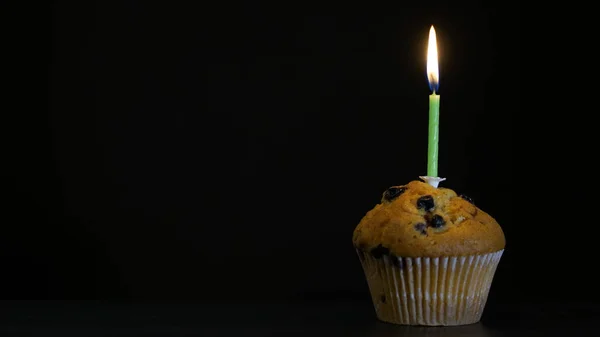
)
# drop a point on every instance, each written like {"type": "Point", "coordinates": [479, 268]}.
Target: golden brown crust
{"type": "Point", "coordinates": [406, 230]}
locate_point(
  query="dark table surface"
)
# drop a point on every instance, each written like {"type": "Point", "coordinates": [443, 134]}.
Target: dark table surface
{"type": "Point", "coordinates": [309, 318]}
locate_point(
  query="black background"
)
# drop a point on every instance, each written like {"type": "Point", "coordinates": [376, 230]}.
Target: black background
{"type": "Point", "coordinates": [164, 150]}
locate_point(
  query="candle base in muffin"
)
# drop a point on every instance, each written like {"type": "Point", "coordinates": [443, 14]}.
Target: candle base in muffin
{"type": "Point", "coordinates": [429, 256]}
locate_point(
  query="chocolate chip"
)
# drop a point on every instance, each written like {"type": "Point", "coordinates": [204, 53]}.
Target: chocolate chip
{"type": "Point", "coordinates": [382, 298]}
{"type": "Point", "coordinates": [379, 251]}
{"type": "Point", "coordinates": [421, 228]}
{"type": "Point", "coordinates": [393, 192]}
{"type": "Point", "coordinates": [426, 203]}
{"type": "Point", "coordinates": [437, 221]}
{"type": "Point", "coordinates": [467, 198]}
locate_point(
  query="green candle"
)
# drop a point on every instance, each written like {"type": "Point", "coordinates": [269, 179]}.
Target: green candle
{"type": "Point", "coordinates": [434, 105]}
{"type": "Point", "coordinates": [432, 150]}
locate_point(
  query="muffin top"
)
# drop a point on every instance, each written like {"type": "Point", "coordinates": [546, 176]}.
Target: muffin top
{"type": "Point", "coordinates": [419, 220]}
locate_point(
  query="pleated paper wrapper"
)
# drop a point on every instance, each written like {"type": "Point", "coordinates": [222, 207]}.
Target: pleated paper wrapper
{"type": "Point", "coordinates": [430, 291]}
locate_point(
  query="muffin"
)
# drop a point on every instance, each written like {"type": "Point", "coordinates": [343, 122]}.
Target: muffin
{"type": "Point", "coordinates": [429, 255]}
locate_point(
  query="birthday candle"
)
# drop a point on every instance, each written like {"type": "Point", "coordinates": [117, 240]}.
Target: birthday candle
{"type": "Point", "coordinates": [434, 105]}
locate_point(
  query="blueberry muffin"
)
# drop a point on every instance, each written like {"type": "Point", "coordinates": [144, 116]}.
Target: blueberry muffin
{"type": "Point", "coordinates": [429, 255]}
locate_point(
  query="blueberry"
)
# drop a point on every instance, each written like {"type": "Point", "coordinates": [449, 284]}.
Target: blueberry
{"type": "Point", "coordinates": [421, 228]}
{"type": "Point", "coordinates": [393, 192]}
{"type": "Point", "coordinates": [467, 198]}
{"type": "Point", "coordinates": [426, 203]}
{"type": "Point", "coordinates": [437, 221]}
{"type": "Point", "coordinates": [379, 251]}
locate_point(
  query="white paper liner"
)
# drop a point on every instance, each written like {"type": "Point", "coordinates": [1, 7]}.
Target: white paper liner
{"type": "Point", "coordinates": [433, 181]}
{"type": "Point", "coordinates": [430, 291]}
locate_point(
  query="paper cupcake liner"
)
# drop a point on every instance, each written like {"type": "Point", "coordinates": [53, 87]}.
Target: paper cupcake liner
{"type": "Point", "coordinates": [430, 290]}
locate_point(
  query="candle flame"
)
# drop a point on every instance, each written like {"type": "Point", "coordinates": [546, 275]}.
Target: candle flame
{"type": "Point", "coordinates": [432, 62]}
